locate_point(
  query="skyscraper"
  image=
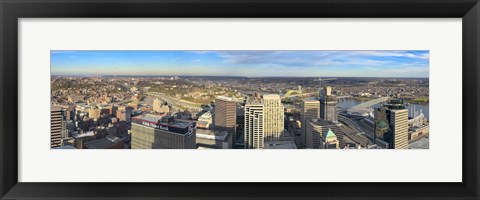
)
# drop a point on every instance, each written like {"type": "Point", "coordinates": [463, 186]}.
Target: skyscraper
{"type": "Point", "coordinates": [328, 106]}
{"type": "Point", "coordinates": [254, 121]}
{"type": "Point", "coordinates": [264, 121]}
{"type": "Point", "coordinates": [226, 116]}
{"type": "Point", "coordinates": [391, 124]}
{"type": "Point", "coordinates": [57, 126]}
{"type": "Point", "coordinates": [310, 110]}
{"type": "Point", "coordinates": [273, 117]}
{"type": "Point", "coordinates": [381, 123]}
{"type": "Point", "coordinates": [399, 126]}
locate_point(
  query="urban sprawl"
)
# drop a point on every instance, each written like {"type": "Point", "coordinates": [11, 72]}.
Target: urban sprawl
{"type": "Point", "coordinates": [195, 112]}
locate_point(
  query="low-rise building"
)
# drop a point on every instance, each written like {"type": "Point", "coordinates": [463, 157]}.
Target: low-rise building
{"type": "Point", "coordinates": [315, 130]}
{"type": "Point", "coordinates": [214, 139]}
{"type": "Point", "coordinates": [109, 142]}
{"type": "Point", "coordinates": [280, 145]}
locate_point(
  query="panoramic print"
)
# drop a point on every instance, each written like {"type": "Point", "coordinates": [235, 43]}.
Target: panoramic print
{"type": "Point", "coordinates": [246, 99]}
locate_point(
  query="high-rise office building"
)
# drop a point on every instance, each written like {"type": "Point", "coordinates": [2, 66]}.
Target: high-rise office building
{"type": "Point", "coordinates": [273, 117]}
{"type": "Point", "coordinates": [157, 132]}
{"type": "Point", "coordinates": [381, 123]}
{"type": "Point", "coordinates": [328, 106]}
{"type": "Point", "coordinates": [391, 124]}
{"type": "Point", "coordinates": [399, 126]}
{"type": "Point", "coordinates": [57, 126]}
{"type": "Point", "coordinates": [310, 110]}
{"type": "Point", "coordinates": [226, 116]}
{"type": "Point", "coordinates": [253, 131]}
{"type": "Point", "coordinates": [264, 121]}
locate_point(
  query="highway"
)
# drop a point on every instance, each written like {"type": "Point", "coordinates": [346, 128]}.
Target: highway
{"type": "Point", "coordinates": [176, 102]}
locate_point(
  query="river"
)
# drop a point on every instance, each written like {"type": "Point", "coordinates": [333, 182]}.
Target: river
{"type": "Point", "coordinates": [347, 103]}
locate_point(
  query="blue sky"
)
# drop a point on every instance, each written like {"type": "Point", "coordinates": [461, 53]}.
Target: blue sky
{"type": "Point", "coordinates": [243, 63]}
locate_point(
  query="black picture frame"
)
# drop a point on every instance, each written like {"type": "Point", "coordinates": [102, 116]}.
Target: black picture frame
{"type": "Point", "coordinates": [12, 10]}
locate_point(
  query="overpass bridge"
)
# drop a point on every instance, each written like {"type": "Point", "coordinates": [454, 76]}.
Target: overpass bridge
{"type": "Point", "coordinates": [366, 107]}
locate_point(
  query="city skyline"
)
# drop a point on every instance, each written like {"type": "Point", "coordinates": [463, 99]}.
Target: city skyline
{"type": "Point", "coordinates": [391, 64]}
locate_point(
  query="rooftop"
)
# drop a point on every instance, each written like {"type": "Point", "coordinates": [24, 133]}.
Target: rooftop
{"type": "Point", "coordinates": [55, 108]}
{"type": "Point", "coordinates": [322, 122]}
{"type": "Point", "coordinates": [311, 101]}
{"type": "Point", "coordinates": [150, 117]}
{"type": "Point", "coordinates": [65, 147]}
{"type": "Point", "coordinates": [224, 98]}
{"type": "Point", "coordinates": [329, 133]}
{"type": "Point", "coordinates": [280, 145]}
{"type": "Point", "coordinates": [86, 134]}
{"type": "Point", "coordinates": [104, 143]}
{"type": "Point", "coordinates": [271, 96]}
{"type": "Point", "coordinates": [422, 143]}
{"type": "Point", "coordinates": [212, 134]}
{"type": "Point", "coordinates": [180, 123]}
{"type": "Point", "coordinates": [157, 119]}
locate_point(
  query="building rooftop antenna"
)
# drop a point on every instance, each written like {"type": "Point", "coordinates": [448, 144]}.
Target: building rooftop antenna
{"type": "Point", "coordinates": [319, 85]}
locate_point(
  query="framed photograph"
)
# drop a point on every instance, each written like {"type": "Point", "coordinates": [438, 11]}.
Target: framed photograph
{"type": "Point", "coordinates": [239, 99]}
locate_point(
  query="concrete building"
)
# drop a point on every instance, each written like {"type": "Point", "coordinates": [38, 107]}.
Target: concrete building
{"type": "Point", "coordinates": [83, 138]}
{"type": "Point", "coordinates": [109, 142]}
{"type": "Point", "coordinates": [310, 110]}
{"type": "Point", "coordinates": [328, 106]}
{"type": "Point", "coordinates": [280, 145]}
{"type": "Point", "coordinates": [70, 112]}
{"type": "Point", "coordinates": [107, 110]}
{"type": "Point", "coordinates": [254, 121]}
{"type": "Point", "coordinates": [205, 120]}
{"type": "Point", "coordinates": [125, 114]}
{"type": "Point", "coordinates": [213, 139]}
{"type": "Point", "coordinates": [94, 113]}
{"type": "Point", "coordinates": [315, 130]}
{"type": "Point", "coordinates": [264, 121]}
{"type": "Point", "coordinates": [330, 140]}
{"type": "Point", "coordinates": [160, 107]}
{"type": "Point", "coordinates": [391, 124]}
{"type": "Point", "coordinates": [381, 123]}
{"type": "Point", "coordinates": [226, 115]}
{"type": "Point", "coordinates": [58, 127]}
{"type": "Point", "coordinates": [273, 117]}
{"type": "Point", "coordinates": [157, 132]}
{"type": "Point", "coordinates": [157, 104]}
{"type": "Point", "coordinates": [399, 126]}
{"type": "Point", "coordinates": [133, 105]}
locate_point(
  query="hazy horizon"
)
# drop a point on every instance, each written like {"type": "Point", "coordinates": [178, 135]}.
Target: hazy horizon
{"type": "Point", "coordinates": [255, 64]}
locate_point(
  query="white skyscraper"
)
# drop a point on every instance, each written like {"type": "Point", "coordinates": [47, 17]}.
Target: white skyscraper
{"type": "Point", "coordinates": [264, 121]}
{"type": "Point", "coordinates": [273, 114]}
{"type": "Point", "coordinates": [254, 121]}
{"type": "Point", "coordinates": [399, 124]}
